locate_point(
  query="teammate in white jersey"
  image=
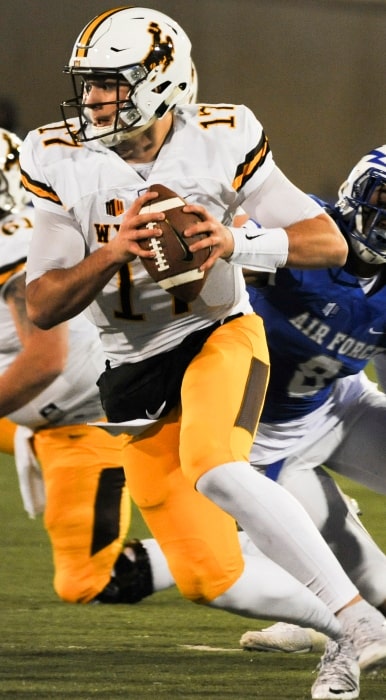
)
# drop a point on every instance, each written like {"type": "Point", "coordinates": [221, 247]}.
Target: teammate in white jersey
{"type": "Point", "coordinates": [323, 328]}
{"type": "Point", "coordinates": [189, 472]}
{"type": "Point", "coordinates": [48, 387]}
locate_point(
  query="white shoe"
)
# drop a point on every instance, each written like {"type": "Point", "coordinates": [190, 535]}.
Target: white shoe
{"type": "Point", "coordinates": [369, 638]}
{"type": "Point", "coordinates": [339, 672]}
{"type": "Point", "coordinates": [283, 636]}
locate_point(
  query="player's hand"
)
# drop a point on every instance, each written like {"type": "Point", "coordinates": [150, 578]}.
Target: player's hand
{"type": "Point", "coordinates": [124, 246]}
{"type": "Point", "coordinates": [219, 239]}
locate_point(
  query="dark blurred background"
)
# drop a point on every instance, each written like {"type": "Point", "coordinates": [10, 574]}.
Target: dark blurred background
{"type": "Point", "coordinates": [313, 71]}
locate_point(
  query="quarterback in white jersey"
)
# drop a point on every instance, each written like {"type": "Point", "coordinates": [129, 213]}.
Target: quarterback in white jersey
{"type": "Point", "coordinates": [48, 385]}
{"type": "Point", "coordinates": [89, 177]}
{"type": "Point", "coordinates": [85, 501]}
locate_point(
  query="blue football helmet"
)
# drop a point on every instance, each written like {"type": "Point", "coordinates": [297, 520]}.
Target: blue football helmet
{"type": "Point", "coordinates": [362, 206]}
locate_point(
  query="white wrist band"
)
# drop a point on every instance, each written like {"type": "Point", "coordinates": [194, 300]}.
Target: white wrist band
{"type": "Point", "coordinates": [257, 248]}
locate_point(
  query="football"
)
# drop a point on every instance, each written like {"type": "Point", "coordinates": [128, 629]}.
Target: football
{"type": "Point", "coordinates": [174, 267]}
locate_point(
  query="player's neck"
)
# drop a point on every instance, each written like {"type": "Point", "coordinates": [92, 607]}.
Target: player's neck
{"type": "Point", "coordinates": [144, 147]}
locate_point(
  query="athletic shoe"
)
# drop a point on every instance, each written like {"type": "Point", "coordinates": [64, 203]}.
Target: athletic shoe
{"type": "Point", "coordinates": [284, 637]}
{"type": "Point", "coordinates": [369, 638]}
{"type": "Point", "coordinates": [339, 672]}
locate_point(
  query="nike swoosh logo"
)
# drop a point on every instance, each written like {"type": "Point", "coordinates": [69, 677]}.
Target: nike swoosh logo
{"type": "Point", "coordinates": [154, 416]}
{"type": "Point", "coordinates": [374, 332]}
{"type": "Point", "coordinates": [257, 235]}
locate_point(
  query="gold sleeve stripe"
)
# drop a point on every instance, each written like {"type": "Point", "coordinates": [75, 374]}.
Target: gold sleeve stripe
{"type": "Point", "coordinates": [253, 160]}
{"type": "Point", "coordinates": [8, 271]}
{"type": "Point", "coordinates": [83, 44]}
{"type": "Point", "coordinates": [39, 189]}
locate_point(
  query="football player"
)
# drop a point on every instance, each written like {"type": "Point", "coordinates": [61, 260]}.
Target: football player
{"type": "Point", "coordinates": [48, 387]}
{"type": "Point", "coordinates": [323, 328]}
{"type": "Point", "coordinates": [48, 384]}
{"type": "Point", "coordinates": [127, 127]}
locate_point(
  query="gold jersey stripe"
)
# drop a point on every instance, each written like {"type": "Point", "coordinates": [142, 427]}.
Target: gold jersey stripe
{"type": "Point", "coordinates": [253, 160]}
{"type": "Point", "coordinates": [82, 45]}
{"type": "Point", "coordinates": [39, 189]}
{"type": "Point", "coordinates": [6, 274]}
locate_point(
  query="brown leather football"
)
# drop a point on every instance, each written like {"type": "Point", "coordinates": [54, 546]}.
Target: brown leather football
{"type": "Point", "coordinates": [174, 267]}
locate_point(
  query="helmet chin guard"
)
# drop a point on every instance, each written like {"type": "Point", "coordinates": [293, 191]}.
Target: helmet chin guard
{"type": "Point", "coordinates": [138, 47]}
{"type": "Point", "coordinates": [362, 206]}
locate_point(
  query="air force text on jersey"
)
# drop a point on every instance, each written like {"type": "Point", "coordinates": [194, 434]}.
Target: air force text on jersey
{"type": "Point", "coordinates": [335, 341]}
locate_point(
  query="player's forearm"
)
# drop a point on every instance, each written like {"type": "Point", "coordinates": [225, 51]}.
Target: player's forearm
{"type": "Point", "coordinates": [316, 243]}
{"type": "Point", "coordinates": [311, 243]}
{"type": "Point", "coordinates": [61, 294]}
{"type": "Point", "coordinates": [313, 238]}
{"type": "Point", "coordinates": [27, 377]}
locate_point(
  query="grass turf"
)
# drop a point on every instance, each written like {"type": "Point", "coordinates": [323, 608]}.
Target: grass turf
{"type": "Point", "coordinates": [49, 649]}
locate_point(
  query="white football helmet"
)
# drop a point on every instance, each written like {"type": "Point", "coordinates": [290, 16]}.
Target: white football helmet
{"type": "Point", "coordinates": [141, 48]}
{"type": "Point", "coordinates": [13, 197]}
{"type": "Point", "coordinates": [362, 206]}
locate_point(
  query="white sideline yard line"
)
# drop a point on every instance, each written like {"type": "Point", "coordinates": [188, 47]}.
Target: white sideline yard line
{"type": "Point", "coordinates": [204, 647]}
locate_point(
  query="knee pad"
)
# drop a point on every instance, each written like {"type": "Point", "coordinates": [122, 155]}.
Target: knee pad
{"type": "Point", "coordinates": [200, 572]}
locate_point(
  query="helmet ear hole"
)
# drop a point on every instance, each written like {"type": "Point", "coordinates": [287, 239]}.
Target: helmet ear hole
{"type": "Point", "coordinates": [161, 88]}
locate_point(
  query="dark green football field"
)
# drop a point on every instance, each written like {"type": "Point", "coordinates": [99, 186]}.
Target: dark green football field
{"type": "Point", "coordinates": [49, 649]}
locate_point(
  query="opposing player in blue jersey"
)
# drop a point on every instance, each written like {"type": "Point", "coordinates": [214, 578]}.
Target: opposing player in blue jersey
{"type": "Point", "coordinates": [323, 328]}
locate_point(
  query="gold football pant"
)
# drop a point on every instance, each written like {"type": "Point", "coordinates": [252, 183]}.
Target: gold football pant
{"type": "Point", "coordinates": [87, 510]}
{"type": "Point", "coordinates": [222, 397]}
{"type": "Point", "coordinates": [7, 434]}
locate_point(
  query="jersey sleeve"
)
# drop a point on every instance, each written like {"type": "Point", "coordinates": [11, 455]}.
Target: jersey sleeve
{"type": "Point", "coordinates": [265, 205]}
{"type": "Point", "coordinates": [34, 164]}
{"type": "Point", "coordinates": [14, 245]}
{"type": "Point", "coordinates": [256, 162]}
{"type": "Point", "coordinates": [64, 247]}
{"type": "Point", "coordinates": [57, 241]}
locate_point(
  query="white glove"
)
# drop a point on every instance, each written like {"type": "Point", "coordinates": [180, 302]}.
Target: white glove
{"type": "Point", "coordinates": [28, 471]}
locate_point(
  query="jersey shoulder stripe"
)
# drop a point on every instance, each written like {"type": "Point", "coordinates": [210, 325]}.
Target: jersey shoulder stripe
{"type": "Point", "coordinates": [7, 271]}
{"type": "Point", "coordinates": [39, 189]}
{"type": "Point", "coordinates": [253, 161]}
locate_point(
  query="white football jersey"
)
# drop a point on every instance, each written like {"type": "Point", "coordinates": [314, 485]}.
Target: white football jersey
{"type": "Point", "coordinates": [73, 397]}
{"type": "Point", "coordinates": [216, 155]}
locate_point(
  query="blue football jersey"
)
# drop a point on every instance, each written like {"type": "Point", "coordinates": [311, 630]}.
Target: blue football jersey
{"type": "Point", "coordinates": [321, 325]}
